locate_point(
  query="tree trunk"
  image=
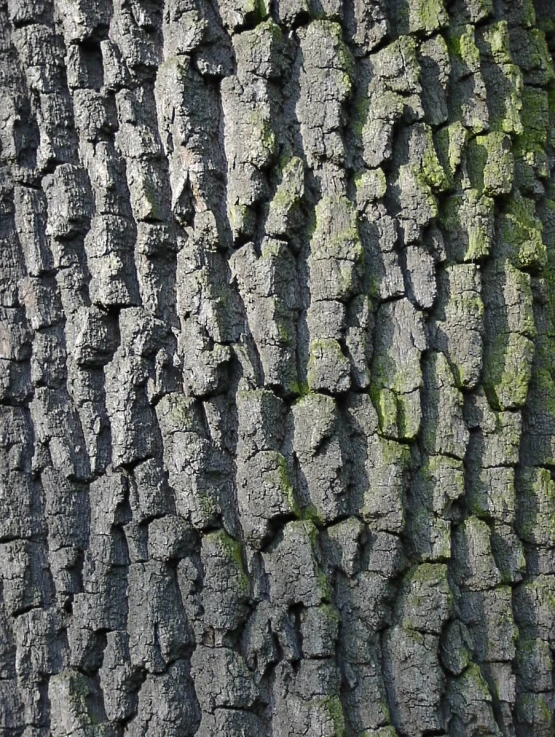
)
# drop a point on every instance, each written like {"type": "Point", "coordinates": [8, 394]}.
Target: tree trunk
{"type": "Point", "coordinates": [277, 341]}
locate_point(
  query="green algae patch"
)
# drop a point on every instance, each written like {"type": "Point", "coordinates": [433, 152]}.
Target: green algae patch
{"type": "Point", "coordinates": [431, 170]}
{"type": "Point", "coordinates": [463, 49]}
{"type": "Point", "coordinates": [421, 16]}
{"type": "Point", "coordinates": [231, 550]}
{"type": "Point", "coordinates": [520, 235]}
{"type": "Point", "coordinates": [450, 142]}
{"type": "Point", "coordinates": [491, 163]}
{"type": "Point", "coordinates": [468, 218]}
{"type": "Point", "coordinates": [507, 370]}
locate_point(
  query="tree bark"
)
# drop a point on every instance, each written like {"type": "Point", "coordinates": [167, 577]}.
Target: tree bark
{"type": "Point", "coordinates": [277, 340]}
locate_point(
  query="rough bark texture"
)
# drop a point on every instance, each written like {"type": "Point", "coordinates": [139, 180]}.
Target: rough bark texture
{"type": "Point", "coordinates": [277, 419]}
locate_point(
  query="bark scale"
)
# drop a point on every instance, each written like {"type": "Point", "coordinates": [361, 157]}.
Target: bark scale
{"type": "Point", "coordinates": [277, 340]}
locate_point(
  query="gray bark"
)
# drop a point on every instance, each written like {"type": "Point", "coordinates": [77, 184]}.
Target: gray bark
{"type": "Point", "coordinates": [277, 390]}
